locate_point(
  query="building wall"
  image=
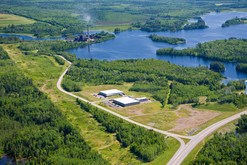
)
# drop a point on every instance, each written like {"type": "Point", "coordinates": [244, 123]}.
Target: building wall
{"type": "Point", "coordinates": [125, 105]}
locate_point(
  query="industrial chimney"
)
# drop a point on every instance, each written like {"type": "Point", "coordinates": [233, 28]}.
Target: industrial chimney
{"type": "Point", "coordinates": [88, 35]}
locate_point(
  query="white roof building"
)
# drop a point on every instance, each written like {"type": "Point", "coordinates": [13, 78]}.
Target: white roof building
{"type": "Point", "coordinates": [142, 99]}
{"type": "Point", "coordinates": [112, 92]}
{"type": "Point", "coordinates": [125, 101]}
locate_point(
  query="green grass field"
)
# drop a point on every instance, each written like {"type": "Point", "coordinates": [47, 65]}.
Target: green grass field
{"type": "Point", "coordinates": [9, 19]}
{"type": "Point", "coordinates": [227, 107]}
{"type": "Point", "coordinates": [163, 121]}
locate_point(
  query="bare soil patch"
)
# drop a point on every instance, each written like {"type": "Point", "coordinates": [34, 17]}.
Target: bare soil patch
{"type": "Point", "coordinates": [194, 119]}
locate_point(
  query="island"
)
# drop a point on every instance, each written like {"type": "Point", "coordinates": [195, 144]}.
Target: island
{"type": "Point", "coordinates": [169, 40]}
{"type": "Point", "coordinates": [217, 66]}
{"type": "Point", "coordinates": [200, 24]}
{"type": "Point", "coordinates": [234, 21]}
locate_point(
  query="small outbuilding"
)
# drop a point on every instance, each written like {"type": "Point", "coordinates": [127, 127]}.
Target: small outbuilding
{"type": "Point", "coordinates": [125, 101]}
{"type": "Point", "coordinates": [111, 92]}
{"type": "Point", "coordinates": [142, 99]}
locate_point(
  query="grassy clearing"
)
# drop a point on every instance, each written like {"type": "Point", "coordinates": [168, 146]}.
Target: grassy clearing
{"type": "Point", "coordinates": [143, 108]}
{"type": "Point", "coordinates": [163, 121]}
{"type": "Point", "coordinates": [185, 140]}
{"type": "Point", "coordinates": [89, 90]}
{"type": "Point", "coordinates": [227, 107]}
{"type": "Point", "coordinates": [111, 28]}
{"type": "Point", "coordinates": [9, 19]}
{"type": "Point", "coordinates": [184, 113]}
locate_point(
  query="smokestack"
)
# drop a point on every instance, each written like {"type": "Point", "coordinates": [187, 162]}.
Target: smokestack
{"type": "Point", "coordinates": [88, 36]}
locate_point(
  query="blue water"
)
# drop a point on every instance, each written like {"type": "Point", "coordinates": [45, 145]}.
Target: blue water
{"type": "Point", "coordinates": [136, 45]}
{"type": "Point", "coordinates": [5, 159]}
{"type": "Point", "coordinates": [23, 37]}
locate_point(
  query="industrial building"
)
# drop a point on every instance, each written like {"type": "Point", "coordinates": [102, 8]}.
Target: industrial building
{"type": "Point", "coordinates": [125, 101]}
{"type": "Point", "coordinates": [111, 92]}
{"type": "Point", "coordinates": [142, 99]}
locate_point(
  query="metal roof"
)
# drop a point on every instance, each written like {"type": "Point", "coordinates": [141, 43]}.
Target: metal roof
{"type": "Point", "coordinates": [112, 91]}
{"type": "Point", "coordinates": [126, 100]}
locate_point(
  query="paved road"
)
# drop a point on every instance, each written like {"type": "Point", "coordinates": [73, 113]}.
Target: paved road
{"type": "Point", "coordinates": [184, 150]}
{"type": "Point", "coordinates": [183, 153]}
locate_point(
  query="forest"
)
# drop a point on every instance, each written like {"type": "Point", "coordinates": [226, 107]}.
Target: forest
{"type": "Point", "coordinates": [234, 21]}
{"type": "Point", "coordinates": [229, 50]}
{"type": "Point", "coordinates": [32, 128]}
{"type": "Point", "coordinates": [200, 24]}
{"type": "Point", "coordinates": [9, 40]}
{"type": "Point", "coordinates": [217, 66]}
{"type": "Point", "coordinates": [146, 144]}
{"type": "Point", "coordinates": [229, 148]}
{"type": "Point", "coordinates": [66, 17]}
{"type": "Point", "coordinates": [169, 40]}
{"type": "Point", "coordinates": [241, 67]}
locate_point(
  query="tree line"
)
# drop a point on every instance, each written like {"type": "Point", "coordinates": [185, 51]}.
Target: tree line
{"type": "Point", "coordinates": [169, 40]}
{"type": "Point", "coordinates": [234, 21]}
{"type": "Point", "coordinates": [241, 67]}
{"type": "Point", "coordinates": [146, 144]}
{"type": "Point", "coordinates": [229, 50]}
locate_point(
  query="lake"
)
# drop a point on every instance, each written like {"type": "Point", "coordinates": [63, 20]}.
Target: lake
{"type": "Point", "coordinates": [136, 45]}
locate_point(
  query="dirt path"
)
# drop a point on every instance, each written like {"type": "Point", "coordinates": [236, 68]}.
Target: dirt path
{"type": "Point", "coordinates": [45, 84]}
{"type": "Point", "coordinates": [103, 147]}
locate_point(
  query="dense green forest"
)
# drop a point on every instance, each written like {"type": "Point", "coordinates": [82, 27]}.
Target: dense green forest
{"type": "Point", "coordinates": [230, 50]}
{"type": "Point", "coordinates": [9, 40]}
{"type": "Point", "coordinates": [200, 24]}
{"type": "Point", "coordinates": [154, 25]}
{"type": "Point", "coordinates": [31, 127]}
{"type": "Point", "coordinates": [169, 24]}
{"type": "Point", "coordinates": [217, 66]}
{"type": "Point", "coordinates": [234, 21]}
{"type": "Point", "coordinates": [169, 40]}
{"type": "Point", "coordinates": [66, 17]}
{"type": "Point", "coordinates": [229, 148]}
{"type": "Point", "coordinates": [146, 144]}
{"type": "Point", "coordinates": [241, 67]}
{"type": "Point", "coordinates": [59, 60]}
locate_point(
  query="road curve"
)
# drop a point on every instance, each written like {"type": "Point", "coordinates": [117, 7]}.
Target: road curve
{"type": "Point", "coordinates": [182, 154]}
{"type": "Point", "coordinates": [184, 150]}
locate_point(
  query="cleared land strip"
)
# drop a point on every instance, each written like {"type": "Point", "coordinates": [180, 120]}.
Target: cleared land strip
{"type": "Point", "coordinates": [184, 150]}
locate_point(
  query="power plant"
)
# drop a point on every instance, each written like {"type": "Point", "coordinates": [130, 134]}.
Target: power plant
{"type": "Point", "coordinates": [84, 37]}
{"type": "Point", "coordinates": [88, 35]}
